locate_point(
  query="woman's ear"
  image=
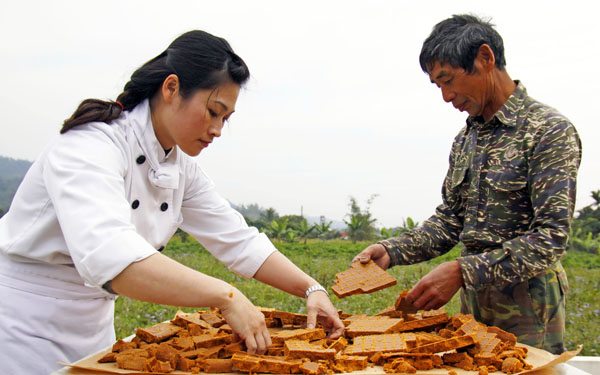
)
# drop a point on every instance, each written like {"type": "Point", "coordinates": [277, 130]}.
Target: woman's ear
{"type": "Point", "coordinates": [170, 88]}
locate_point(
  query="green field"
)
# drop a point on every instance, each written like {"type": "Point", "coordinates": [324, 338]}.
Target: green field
{"type": "Point", "coordinates": [323, 259]}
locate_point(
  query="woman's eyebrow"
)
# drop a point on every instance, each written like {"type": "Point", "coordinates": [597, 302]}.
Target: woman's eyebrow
{"type": "Point", "coordinates": [222, 105]}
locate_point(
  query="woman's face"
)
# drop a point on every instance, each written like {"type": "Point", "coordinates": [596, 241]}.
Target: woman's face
{"type": "Point", "coordinates": [193, 123]}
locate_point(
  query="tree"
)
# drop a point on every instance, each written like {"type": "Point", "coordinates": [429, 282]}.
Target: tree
{"type": "Point", "coordinates": [585, 228]}
{"type": "Point", "coordinates": [355, 228]}
{"type": "Point", "coordinates": [361, 225]}
{"type": "Point", "coordinates": [269, 215]}
{"type": "Point", "coordinates": [322, 227]}
{"type": "Point", "coordinates": [305, 230]}
{"type": "Point", "coordinates": [408, 224]}
{"type": "Point", "coordinates": [277, 228]}
{"type": "Point", "coordinates": [294, 221]}
{"type": "Point", "coordinates": [259, 224]}
{"type": "Point", "coordinates": [389, 232]}
{"type": "Point", "coordinates": [290, 236]}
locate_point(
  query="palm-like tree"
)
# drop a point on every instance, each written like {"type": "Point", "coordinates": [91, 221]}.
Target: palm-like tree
{"type": "Point", "coordinates": [304, 230]}
{"type": "Point", "coordinates": [269, 215]}
{"type": "Point", "coordinates": [278, 228]}
{"type": "Point", "coordinates": [322, 228]}
{"type": "Point", "coordinates": [356, 228]}
{"type": "Point", "coordinates": [408, 224]}
{"type": "Point", "coordinates": [389, 232]}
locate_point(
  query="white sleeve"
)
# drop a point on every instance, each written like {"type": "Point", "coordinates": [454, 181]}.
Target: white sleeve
{"type": "Point", "coordinates": [209, 218]}
{"type": "Point", "coordinates": [84, 175]}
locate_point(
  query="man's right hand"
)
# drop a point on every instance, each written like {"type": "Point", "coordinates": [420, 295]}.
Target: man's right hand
{"type": "Point", "coordinates": [375, 252]}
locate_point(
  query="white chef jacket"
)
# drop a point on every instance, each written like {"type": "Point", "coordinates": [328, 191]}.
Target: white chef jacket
{"type": "Point", "coordinates": [102, 196]}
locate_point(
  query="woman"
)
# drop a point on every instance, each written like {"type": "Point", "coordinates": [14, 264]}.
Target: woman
{"type": "Point", "coordinates": [94, 211]}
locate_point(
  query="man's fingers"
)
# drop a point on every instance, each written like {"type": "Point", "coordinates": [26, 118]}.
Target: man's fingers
{"type": "Point", "coordinates": [415, 293]}
{"type": "Point", "coordinates": [363, 257]}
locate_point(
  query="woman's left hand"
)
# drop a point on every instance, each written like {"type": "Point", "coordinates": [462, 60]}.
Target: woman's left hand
{"type": "Point", "coordinates": [319, 307]}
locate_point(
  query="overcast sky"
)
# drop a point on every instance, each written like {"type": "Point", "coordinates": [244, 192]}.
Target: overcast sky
{"type": "Point", "coordinates": [337, 105]}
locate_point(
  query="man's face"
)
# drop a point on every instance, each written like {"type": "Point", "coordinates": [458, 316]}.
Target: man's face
{"type": "Point", "coordinates": [467, 92]}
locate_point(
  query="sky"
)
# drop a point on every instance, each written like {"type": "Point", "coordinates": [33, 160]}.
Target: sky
{"type": "Point", "coordinates": [337, 105]}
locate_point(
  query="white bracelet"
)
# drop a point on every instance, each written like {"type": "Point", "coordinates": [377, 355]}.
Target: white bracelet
{"type": "Point", "coordinates": [315, 288]}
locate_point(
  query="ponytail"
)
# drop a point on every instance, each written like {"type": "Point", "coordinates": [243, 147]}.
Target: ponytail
{"type": "Point", "coordinates": [200, 61]}
{"type": "Point", "coordinates": [91, 110]}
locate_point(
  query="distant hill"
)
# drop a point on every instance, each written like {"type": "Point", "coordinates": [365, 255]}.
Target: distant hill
{"type": "Point", "coordinates": [255, 212]}
{"type": "Point", "coordinates": [11, 174]}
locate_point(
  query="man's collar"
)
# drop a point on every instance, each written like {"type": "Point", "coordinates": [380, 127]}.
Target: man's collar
{"type": "Point", "coordinates": [508, 113]}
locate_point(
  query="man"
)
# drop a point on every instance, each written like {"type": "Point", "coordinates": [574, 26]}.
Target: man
{"type": "Point", "coordinates": [508, 196]}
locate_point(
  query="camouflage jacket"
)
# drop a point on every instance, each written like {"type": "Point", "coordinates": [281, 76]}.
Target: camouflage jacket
{"type": "Point", "coordinates": [509, 196]}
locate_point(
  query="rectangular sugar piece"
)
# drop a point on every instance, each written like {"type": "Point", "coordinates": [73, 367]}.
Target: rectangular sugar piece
{"type": "Point", "coordinates": [423, 323]}
{"type": "Point", "coordinates": [349, 363]}
{"type": "Point", "coordinates": [217, 365]}
{"type": "Point", "coordinates": [278, 338]}
{"type": "Point", "coordinates": [432, 313]}
{"type": "Point", "coordinates": [313, 368]}
{"type": "Point", "coordinates": [424, 338]}
{"type": "Point", "coordinates": [213, 318]}
{"type": "Point", "coordinates": [366, 327]}
{"type": "Point", "coordinates": [183, 319]}
{"type": "Point", "coordinates": [360, 279]}
{"type": "Point", "coordinates": [445, 345]}
{"type": "Point", "coordinates": [157, 332]}
{"type": "Point", "coordinates": [369, 345]}
{"type": "Point", "coordinates": [391, 312]}
{"type": "Point", "coordinates": [256, 363]}
{"type": "Point", "coordinates": [303, 349]}
{"type": "Point", "coordinates": [402, 305]}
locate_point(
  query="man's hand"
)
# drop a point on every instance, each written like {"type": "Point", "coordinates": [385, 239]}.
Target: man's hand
{"type": "Point", "coordinates": [377, 253]}
{"type": "Point", "coordinates": [436, 288]}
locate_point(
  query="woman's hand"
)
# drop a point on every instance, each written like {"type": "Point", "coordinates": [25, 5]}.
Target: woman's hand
{"type": "Point", "coordinates": [319, 307]}
{"type": "Point", "coordinates": [377, 253]}
{"type": "Point", "coordinates": [247, 322]}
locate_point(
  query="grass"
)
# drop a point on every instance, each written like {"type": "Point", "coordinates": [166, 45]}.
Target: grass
{"type": "Point", "coordinates": [323, 259]}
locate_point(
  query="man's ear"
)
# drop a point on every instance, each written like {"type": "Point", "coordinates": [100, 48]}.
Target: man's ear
{"type": "Point", "coordinates": [485, 57]}
{"type": "Point", "coordinates": [170, 88]}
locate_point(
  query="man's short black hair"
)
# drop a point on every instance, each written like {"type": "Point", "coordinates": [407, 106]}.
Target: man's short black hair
{"type": "Point", "coordinates": [456, 41]}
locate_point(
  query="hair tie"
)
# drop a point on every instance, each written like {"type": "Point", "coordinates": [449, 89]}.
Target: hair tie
{"type": "Point", "coordinates": [120, 105]}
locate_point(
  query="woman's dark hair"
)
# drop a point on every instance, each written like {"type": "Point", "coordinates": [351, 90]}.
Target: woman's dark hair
{"type": "Point", "coordinates": [456, 41]}
{"type": "Point", "coordinates": [200, 61]}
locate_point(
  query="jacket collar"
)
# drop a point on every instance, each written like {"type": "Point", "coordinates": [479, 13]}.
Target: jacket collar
{"type": "Point", "coordinates": [164, 167]}
{"type": "Point", "coordinates": [507, 114]}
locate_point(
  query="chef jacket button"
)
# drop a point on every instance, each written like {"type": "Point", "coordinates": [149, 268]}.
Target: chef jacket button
{"type": "Point", "coordinates": [135, 204]}
{"type": "Point", "coordinates": [140, 159]}
{"type": "Point", "coordinates": [164, 206]}
{"type": "Point", "coordinates": [161, 248]}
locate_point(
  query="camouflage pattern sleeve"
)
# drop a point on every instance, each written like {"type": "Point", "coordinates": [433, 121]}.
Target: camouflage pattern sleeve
{"type": "Point", "coordinates": [436, 236]}
{"type": "Point", "coordinates": [551, 184]}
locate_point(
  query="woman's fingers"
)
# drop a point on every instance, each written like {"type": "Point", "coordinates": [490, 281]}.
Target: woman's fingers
{"type": "Point", "coordinates": [251, 345]}
{"type": "Point", "coordinates": [318, 306]}
{"type": "Point", "coordinates": [248, 322]}
{"type": "Point", "coordinates": [261, 345]}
